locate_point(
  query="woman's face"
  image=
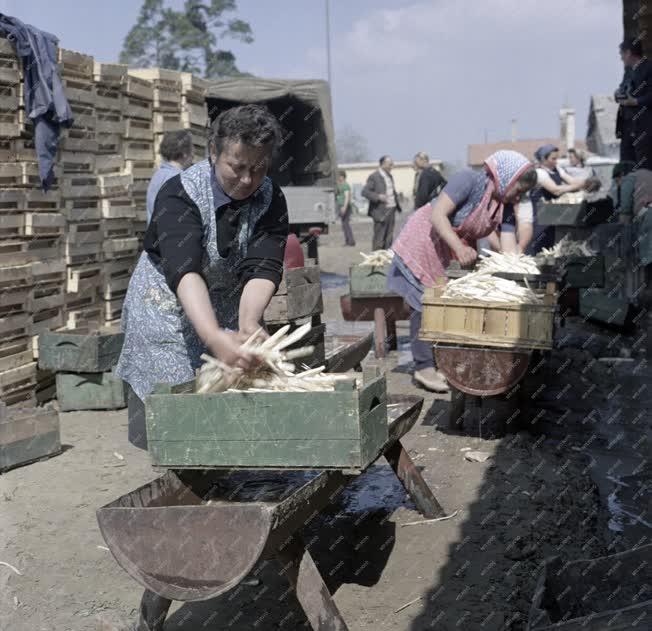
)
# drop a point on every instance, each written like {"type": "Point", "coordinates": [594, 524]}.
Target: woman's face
{"type": "Point", "coordinates": [551, 160]}
{"type": "Point", "coordinates": [240, 168]}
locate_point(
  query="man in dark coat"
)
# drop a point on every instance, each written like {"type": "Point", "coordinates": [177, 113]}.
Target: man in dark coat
{"type": "Point", "coordinates": [634, 95]}
{"type": "Point", "coordinates": [383, 203]}
{"type": "Point", "coordinates": [428, 182]}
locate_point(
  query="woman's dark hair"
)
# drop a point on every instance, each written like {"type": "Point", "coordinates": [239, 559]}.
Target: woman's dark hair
{"type": "Point", "coordinates": [252, 125]}
{"type": "Point", "coordinates": [633, 45]}
{"type": "Point", "coordinates": [528, 179]}
{"type": "Point", "coordinates": [176, 145]}
{"type": "Point", "coordinates": [342, 173]}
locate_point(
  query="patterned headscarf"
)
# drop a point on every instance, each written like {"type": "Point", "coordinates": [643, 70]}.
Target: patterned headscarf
{"type": "Point", "coordinates": [505, 168]}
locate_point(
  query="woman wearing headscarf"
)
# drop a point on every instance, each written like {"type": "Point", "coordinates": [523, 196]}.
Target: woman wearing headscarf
{"type": "Point", "coordinates": [470, 207]}
{"type": "Point", "coordinates": [212, 260]}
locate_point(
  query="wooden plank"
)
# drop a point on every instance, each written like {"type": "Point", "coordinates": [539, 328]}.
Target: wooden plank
{"type": "Point", "coordinates": [40, 201]}
{"type": "Point", "coordinates": [118, 248]}
{"type": "Point", "coordinates": [108, 164]}
{"type": "Point", "coordinates": [49, 272]}
{"type": "Point", "coordinates": [17, 378]}
{"type": "Point", "coordinates": [302, 301]}
{"type": "Point", "coordinates": [115, 288]}
{"type": "Point", "coordinates": [115, 185]}
{"type": "Point", "coordinates": [12, 226]}
{"type": "Point", "coordinates": [84, 233]}
{"type": "Point", "coordinates": [15, 353]}
{"type": "Point", "coordinates": [193, 83]}
{"type": "Point", "coordinates": [76, 162]}
{"type": "Point", "coordinates": [113, 74]}
{"type": "Point", "coordinates": [75, 64]}
{"type": "Point", "coordinates": [164, 122]}
{"type": "Point", "coordinates": [15, 327]}
{"type": "Point", "coordinates": [90, 391]}
{"type": "Point", "coordinates": [159, 76]}
{"type": "Point", "coordinates": [83, 253]}
{"type": "Point", "coordinates": [109, 121]}
{"type": "Point", "coordinates": [78, 318]}
{"type": "Point", "coordinates": [140, 169]}
{"type": "Point", "coordinates": [12, 200]}
{"type": "Point", "coordinates": [15, 276]}
{"type": "Point", "coordinates": [45, 297]}
{"type": "Point", "coordinates": [119, 268]}
{"type": "Point", "coordinates": [80, 278]}
{"type": "Point", "coordinates": [137, 129]}
{"type": "Point", "coordinates": [78, 91]}
{"type": "Point", "coordinates": [79, 186]}
{"type": "Point", "coordinates": [19, 252]}
{"type": "Point", "coordinates": [82, 209]}
{"type": "Point", "coordinates": [44, 224]}
{"type": "Point", "coordinates": [84, 115]}
{"type": "Point", "coordinates": [10, 70]}
{"type": "Point", "coordinates": [113, 309]}
{"type": "Point", "coordinates": [19, 174]}
{"type": "Point", "coordinates": [109, 143]}
{"type": "Point", "coordinates": [133, 107]}
{"type": "Point", "coordinates": [138, 150]}
{"type": "Point", "coordinates": [80, 351]}
{"type": "Point", "coordinates": [79, 140]}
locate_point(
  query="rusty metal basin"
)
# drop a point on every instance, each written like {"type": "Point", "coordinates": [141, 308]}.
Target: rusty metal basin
{"type": "Point", "coordinates": [482, 371]}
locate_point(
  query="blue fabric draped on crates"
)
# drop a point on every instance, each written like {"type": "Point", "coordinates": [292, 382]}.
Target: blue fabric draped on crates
{"type": "Point", "coordinates": [45, 101]}
{"type": "Point", "coordinates": [644, 235]}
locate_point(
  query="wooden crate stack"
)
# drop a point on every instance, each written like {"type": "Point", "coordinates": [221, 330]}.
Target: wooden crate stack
{"type": "Point", "coordinates": [194, 113]}
{"type": "Point", "coordinates": [80, 191]}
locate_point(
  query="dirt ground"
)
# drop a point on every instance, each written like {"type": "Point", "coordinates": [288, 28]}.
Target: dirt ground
{"type": "Point", "coordinates": [575, 485]}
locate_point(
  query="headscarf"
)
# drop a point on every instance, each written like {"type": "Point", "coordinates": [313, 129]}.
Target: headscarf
{"type": "Point", "coordinates": [502, 171]}
{"type": "Point", "coordinates": [544, 151]}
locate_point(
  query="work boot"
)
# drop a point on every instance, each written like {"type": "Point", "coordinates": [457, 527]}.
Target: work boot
{"type": "Point", "coordinates": [431, 379]}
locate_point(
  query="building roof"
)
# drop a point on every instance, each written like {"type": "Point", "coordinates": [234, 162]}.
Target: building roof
{"type": "Point", "coordinates": [601, 134]}
{"type": "Point", "coordinates": [477, 154]}
{"type": "Point", "coordinates": [374, 165]}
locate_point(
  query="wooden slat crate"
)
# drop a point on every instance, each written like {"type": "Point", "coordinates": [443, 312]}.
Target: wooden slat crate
{"type": "Point", "coordinates": [46, 386]}
{"type": "Point", "coordinates": [45, 321]}
{"type": "Point", "coordinates": [167, 100]}
{"type": "Point", "coordinates": [38, 201]}
{"type": "Point", "coordinates": [113, 289]}
{"type": "Point", "coordinates": [12, 200]}
{"type": "Point", "coordinates": [76, 162]}
{"type": "Point", "coordinates": [80, 350]}
{"type": "Point", "coordinates": [475, 323]}
{"type": "Point", "coordinates": [50, 272]}
{"type": "Point", "coordinates": [12, 225]}
{"type": "Point", "coordinates": [45, 297]}
{"type": "Point", "coordinates": [109, 122]}
{"type": "Point", "coordinates": [159, 76]}
{"type": "Point", "coordinates": [139, 150]}
{"type": "Point", "coordinates": [86, 297]}
{"type": "Point", "coordinates": [82, 277]}
{"type": "Point", "coordinates": [78, 91]}
{"type": "Point", "coordinates": [120, 248]}
{"type": "Point", "coordinates": [137, 87]}
{"type": "Point", "coordinates": [109, 74]}
{"type": "Point", "coordinates": [84, 233]}
{"type": "Point", "coordinates": [10, 68]}
{"type": "Point", "coordinates": [109, 143]}
{"type": "Point", "coordinates": [116, 228]}
{"type": "Point", "coordinates": [85, 317]}
{"type": "Point", "coordinates": [582, 214]}
{"type": "Point", "coordinates": [85, 116]}
{"type": "Point", "coordinates": [21, 150]}
{"type": "Point", "coordinates": [16, 174]}
{"type": "Point", "coordinates": [14, 300]}
{"type": "Point", "coordinates": [118, 269]}
{"type": "Point", "coordinates": [19, 252]}
{"type": "Point", "coordinates": [90, 391]}
{"type": "Point", "coordinates": [17, 380]}
{"type": "Point", "coordinates": [164, 122]}
{"type": "Point", "coordinates": [108, 100]}
{"type": "Point", "coordinates": [82, 209]}
{"type": "Point", "coordinates": [83, 254]}
{"type": "Point", "coordinates": [194, 114]}
{"type": "Point", "coordinates": [15, 353]}
{"type": "Point", "coordinates": [604, 306]}
{"type": "Point", "coordinates": [193, 86]}
{"type": "Point", "coordinates": [79, 186]}
{"type": "Point", "coordinates": [298, 296]}
{"type": "Point", "coordinates": [16, 276]}
{"type": "Point", "coordinates": [140, 169]}
{"type": "Point", "coordinates": [28, 434]}
{"type": "Point", "coordinates": [136, 129]}
{"type": "Point", "coordinates": [115, 185]}
{"type": "Point", "coordinates": [368, 280]}
{"type": "Point", "coordinates": [108, 164]}
{"type": "Point", "coordinates": [15, 327]}
{"type": "Point", "coordinates": [44, 224]}
{"type": "Point", "coordinates": [112, 309]}
{"type": "Point", "coordinates": [345, 428]}
{"type": "Point", "coordinates": [117, 208]}
{"type": "Point", "coordinates": [84, 140]}
{"type": "Point", "coordinates": [133, 107]}
{"type": "Point", "coordinates": [75, 64]}
{"type": "Point", "coordinates": [10, 101]}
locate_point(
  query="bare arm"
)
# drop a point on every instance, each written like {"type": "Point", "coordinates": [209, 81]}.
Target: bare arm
{"type": "Point", "coordinates": [256, 295]}
{"type": "Point", "coordinates": [444, 206]}
{"type": "Point", "coordinates": [494, 241]}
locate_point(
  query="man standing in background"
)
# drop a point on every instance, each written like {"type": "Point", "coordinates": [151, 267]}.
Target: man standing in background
{"type": "Point", "coordinates": [428, 182]}
{"type": "Point", "coordinates": [383, 203]}
{"type": "Point", "coordinates": [176, 151]}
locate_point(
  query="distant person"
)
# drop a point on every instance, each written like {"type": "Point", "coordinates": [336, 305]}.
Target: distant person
{"type": "Point", "coordinates": [383, 203]}
{"type": "Point", "coordinates": [345, 207]}
{"type": "Point", "coordinates": [428, 182]}
{"type": "Point", "coordinates": [577, 164]}
{"type": "Point", "coordinates": [634, 96]}
{"type": "Point", "coordinates": [176, 151]}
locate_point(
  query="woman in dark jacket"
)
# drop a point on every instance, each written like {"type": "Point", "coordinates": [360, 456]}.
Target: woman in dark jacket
{"type": "Point", "coordinates": [212, 260]}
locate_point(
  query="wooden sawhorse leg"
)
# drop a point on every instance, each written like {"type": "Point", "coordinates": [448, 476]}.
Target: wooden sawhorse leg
{"type": "Point", "coordinates": [312, 593]}
{"type": "Point", "coordinates": [413, 481]}
{"type": "Point", "coordinates": [384, 332]}
{"type": "Point", "coordinates": [153, 611]}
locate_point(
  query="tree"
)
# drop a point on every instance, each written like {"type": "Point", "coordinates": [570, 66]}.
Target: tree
{"type": "Point", "coordinates": [351, 146]}
{"type": "Point", "coordinates": [185, 40]}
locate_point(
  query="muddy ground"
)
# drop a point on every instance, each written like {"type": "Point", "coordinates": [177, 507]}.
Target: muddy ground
{"type": "Point", "coordinates": [574, 483]}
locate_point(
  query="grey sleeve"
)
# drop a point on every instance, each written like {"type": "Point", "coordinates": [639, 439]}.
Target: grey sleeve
{"type": "Point", "coordinates": [459, 186]}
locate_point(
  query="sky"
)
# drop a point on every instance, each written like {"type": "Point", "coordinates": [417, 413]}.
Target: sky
{"type": "Point", "coordinates": [433, 75]}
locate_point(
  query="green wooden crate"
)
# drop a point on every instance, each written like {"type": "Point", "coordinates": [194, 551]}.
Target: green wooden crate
{"type": "Point", "coordinates": [343, 429]}
{"type": "Point", "coordinates": [27, 434]}
{"type": "Point", "coordinates": [587, 213]}
{"type": "Point", "coordinates": [368, 280]}
{"type": "Point", "coordinates": [90, 391]}
{"type": "Point", "coordinates": [584, 271]}
{"type": "Point", "coordinates": [298, 296]}
{"type": "Point", "coordinates": [79, 350]}
{"type": "Point", "coordinates": [603, 307]}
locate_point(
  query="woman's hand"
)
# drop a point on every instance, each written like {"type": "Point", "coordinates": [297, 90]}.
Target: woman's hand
{"type": "Point", "coordinates": [247, 329]}
{"type": "Point", "coordinates": [227, 347]}
{"type": "Point", "coordinates": [466, 255]}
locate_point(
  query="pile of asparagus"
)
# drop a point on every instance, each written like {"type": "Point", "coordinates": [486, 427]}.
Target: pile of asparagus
{"type": "Point", "coordinates": [273, 373]}
{"type": "Point", "coordinates": [576, 197]}
{"type": "Point", "coordinates": [377, 258]}
{"type": "Point", "coordinates": [492, 262]}
{"type": "Point", "coordinates": [568, 247]}
{"type": "Point", "coordinates": [485, 287]}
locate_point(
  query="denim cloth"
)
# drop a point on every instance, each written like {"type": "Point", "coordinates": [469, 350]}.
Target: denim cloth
{"type": "Point", "coordinates": [162, 175]}
{"type": "Point", "coordinates": [643, 223]}
{"type": "Point", "coordinates": [45, 101]}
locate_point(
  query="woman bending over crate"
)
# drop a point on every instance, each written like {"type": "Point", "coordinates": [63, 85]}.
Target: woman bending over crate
{"type": "Point", "coordinates": [470, 207]}
{"type": "Point", "coordinates": [212, 260]}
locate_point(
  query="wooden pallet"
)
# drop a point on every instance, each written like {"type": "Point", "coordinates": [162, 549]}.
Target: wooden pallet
{"type": "Point", "coordinates": [109, 121]}
{"type": "Point", "coordinates": [83, 140]}
{"type": "Point", "coordinates": [109, 143]}
{"type": "Point", "coordinates": [22, 150]}
{"type": "Point", "coordinates": [78, 318]}
{"type": "Point", "coordinates": [139, 189]}
{"type": "Point", "coordinates": [79, 186]}
{"type": "Point", "coordinates": [193, 86]}
{"type": "Point", "coordinates": [10, 68]}
{"type": "Point", "coordinates": [38, 201]}
{"type": "Point", "coordinates": [15, 300]}
{"type": "Point", "coordinates": [109, 100]}
{"type": "Point", "coordinates": [194, 114]}
{"type": "Point", "coordinates": [134, 86]}
{"type": "Point", "coordinates": [119, 268]}
{"type": "Point", "coordinates": [12, 225]}
{"type": "Point", "coordinates": [109, 164]}
{"type": "Point", "coordinates": [84, 233]}
{"type": "Point", "coordinates": [17, 174]}
{"type": "Point", "coordinates": [140, 169]}
{"type": "Point", "coordinates": [120, 248]}
{"type": "Point", "coordinates": [21, 251]}
{"type": "Point", "coordinates": [115, 185]}
{"type": "Point", "coordinates": [133, 107]}
{"type": "Point", "coordinates": [84, 115]}
{"type": "Point", "coordinates": [17, 379]}
{"type": "Point", "coordinates": [117, 228]}
{"type": "Point", "coordinates": [15, 353]}
{"type": "Point", "coordinates": [112, 309]}
{"type": "Point", "coordinates": [43, 224]}
{"type": "Point", "coordinates": [114, 289]}
{"type": "Point", "coordinates": [74, 64]}
{"type": "Point", "coordinates": [9, 98]}
{"type": "Point", "coordinates": [76, 162]}
{"type": "Point", "coordinates": [15, 276]}
{"type": "Point", "coordinates": [82, 209]}
{"type": "Point", "coordinates": [81, 278]}
{"type": "Point", "coordinates": [85, 254]}
{"type": "Point", "coordinates": [164, 122]}
{"type": "Point", "coordinates": [45, 297]}
{"type": "Point", "coordinates": [137, 129]}
{"type": "Point", "coordinates": [49, 272]}
{"type": "Point", "coordinates": [45, 321]}
{"type": "Point", "coordinates": [159, 76]}
{"type": "Point", "coordinates": [139, 150]}
{"type": "Point", "coordinates": [15, 327]}
{"type": "Point", "coordinates": [109, 74]}
{"type": "Point", "coordinates": [117, 208]}
{"type": "Point", "coordinates": [88, 297]}
{"type": "Point", "coordinates": [298, 296]}
{"type": "Point", "coordinates": [78, 91]}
